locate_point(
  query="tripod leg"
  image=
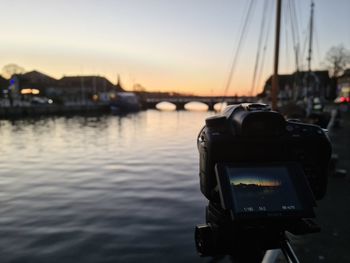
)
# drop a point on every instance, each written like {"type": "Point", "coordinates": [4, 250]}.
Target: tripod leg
{"type": "Point", "coordinates": [271, 255]}
{"type": "Point", "coordinates": [289, 252]}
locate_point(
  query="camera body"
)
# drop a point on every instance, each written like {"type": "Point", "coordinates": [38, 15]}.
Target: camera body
{"type": "Point", "coordinates": [252, 133]}
{"type": "Point", "coordinates": [261, 175]}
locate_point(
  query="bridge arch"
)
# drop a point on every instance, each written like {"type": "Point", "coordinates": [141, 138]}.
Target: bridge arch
{"type": "Point", "coordinates": [180, 102]}
{"type": "Point", "coordinates": [196, 106]}
{"type": "Point", "coordinates": [165, 106]}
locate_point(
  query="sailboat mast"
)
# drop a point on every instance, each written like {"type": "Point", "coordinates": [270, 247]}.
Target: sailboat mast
{"type": "Point", "coordinates": [310, 92]}
{"type": "Point", "coordinates": [274, 89]}
{"type": "Point", "coordinates": [310, 37]}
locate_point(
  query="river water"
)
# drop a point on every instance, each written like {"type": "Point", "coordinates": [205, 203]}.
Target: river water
{"type": "Point", "coordinates": [100, 189]}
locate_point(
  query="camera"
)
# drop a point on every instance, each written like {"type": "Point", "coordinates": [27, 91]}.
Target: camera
{"type": "Point", "coordinates": [262, 175]}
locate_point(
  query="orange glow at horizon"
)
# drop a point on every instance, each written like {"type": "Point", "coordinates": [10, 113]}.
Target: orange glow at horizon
{"type": "Point", "coordinates": [270, 184]}
{"type": "Point", "coordinates": [166, 46]}
{"type": "Point", "coordinates": [208, 85]}
{"type": "Point", "coordinates": [165, 76]}
{"type": "Point", "coordinates": [257, 181]}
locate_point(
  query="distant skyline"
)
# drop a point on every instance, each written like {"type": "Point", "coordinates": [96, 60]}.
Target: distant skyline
{"type": "Point", "coordinates": [180, 46]}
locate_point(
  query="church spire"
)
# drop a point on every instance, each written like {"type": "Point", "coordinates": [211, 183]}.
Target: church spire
{"type": "Point", "coordinates": [118, 81]}
{"type": "Point", "coordinates": [119, 84]}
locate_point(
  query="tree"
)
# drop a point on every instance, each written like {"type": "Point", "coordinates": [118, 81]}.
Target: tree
{"type": "Point", "coordinates": [337, 59]}
{"type": "Point", "coordinates": [11, 69]}
{"type": "Point", "coordinates": [139, 88]}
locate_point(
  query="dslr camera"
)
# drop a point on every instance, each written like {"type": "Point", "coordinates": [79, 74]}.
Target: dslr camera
{"type": "Point", "coordinates": [262, 175]}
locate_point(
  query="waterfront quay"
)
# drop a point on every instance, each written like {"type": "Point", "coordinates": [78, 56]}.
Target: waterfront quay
{"type": "Point", "coordinates": [25, 111]}
{"type": "Point", "coordinates": [333, 212]}
{"type": "Point", "coordinates": [22, 109]}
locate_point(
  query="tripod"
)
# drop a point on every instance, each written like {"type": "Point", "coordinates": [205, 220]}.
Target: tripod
{"type": "Point", "coordinates": [247, 241]}
{"type": "Point", "coordinates": [289, 252]}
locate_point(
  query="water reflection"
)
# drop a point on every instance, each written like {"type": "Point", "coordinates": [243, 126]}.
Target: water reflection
{"type": "Point", "coordinates": [196, 106]}
{"type": "Point", "coordinates": [219, 107]}
{"type": "Point", "coordinates": [100, 189]}
{"type": "Point", "coordinates": [166, 106]}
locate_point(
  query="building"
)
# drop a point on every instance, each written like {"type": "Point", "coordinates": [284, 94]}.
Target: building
{"type": "Point", "coordinates": [344, 80]}
{"type": "Point", "coordinates": [35, 80]}
{"type": "Point", "coordinates": [36, 77]}
{"type": "Point", "coordinates": [67, 90]}
{"type": "Point", "coordinates": [343, 87]}
{"type": "Point", "coordinates": [298, 85]}
{"type": "Point", "coordinates": [4, 83]}
{"type": "Point", "coordinates": [84, 89]}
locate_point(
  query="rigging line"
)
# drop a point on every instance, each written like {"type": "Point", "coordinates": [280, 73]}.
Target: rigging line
{"type": "Point", "coordinates": [239, 32]}
{"type": "Point", "coordinates": [297, 27]}
{"type": "Point", "coordinates": [236, 55]}
{"type": "Point", "coordinates": [240, 40]}
{"type": "Point", "coordinates": [304, 45]}
{"type": "Point", "coordinates": [294, 28]}
{"type": "Point", "coordinates": [286, 24]}
{"type": "Point", "coordinates": [295, 38]}
{"type": "Point", "coordinates": [257, 58]}
{"type": "Point", "coordinates": [303, 36]}
{"type": "Point", "coordinates": [318, 50]}
{"type": "Point", "coordinates": [268, 30]}
{"type": "Point", "coordinates": [296, 34]}
{"type": "Point", "coordinates": [296, 21]}
{"type": "Point", "coordinates": [298, 9]}
{"type": "Point", "coordinates": [291, 20]}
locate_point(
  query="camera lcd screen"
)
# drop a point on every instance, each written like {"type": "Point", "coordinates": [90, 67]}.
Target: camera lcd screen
{"type": "Point", "coordinates": [278, 190]}
{"type": "Point", "coordinates": [262, 189]}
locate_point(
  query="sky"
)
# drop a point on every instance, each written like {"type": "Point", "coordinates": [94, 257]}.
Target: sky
{"type": "Point", "coordinates": [180, 45]}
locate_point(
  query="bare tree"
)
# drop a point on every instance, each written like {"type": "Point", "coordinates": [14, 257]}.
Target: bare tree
{"type": "Point", "coordinates": [139, 88]}
{"type": "Point", "coordinates": [11, 69]}
{"type": "Point", "coordinates": [337, 59]}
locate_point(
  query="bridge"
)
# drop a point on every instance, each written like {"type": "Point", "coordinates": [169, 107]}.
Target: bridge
{"type": "Point", "coordinates": [181, 101]}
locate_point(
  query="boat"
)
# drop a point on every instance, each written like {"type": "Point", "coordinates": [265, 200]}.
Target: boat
{"type": "Point", "coordinates": [125, 102]}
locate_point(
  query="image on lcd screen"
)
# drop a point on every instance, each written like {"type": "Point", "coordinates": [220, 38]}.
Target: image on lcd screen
{"type": "Point", "coordinates": [262, 189]}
